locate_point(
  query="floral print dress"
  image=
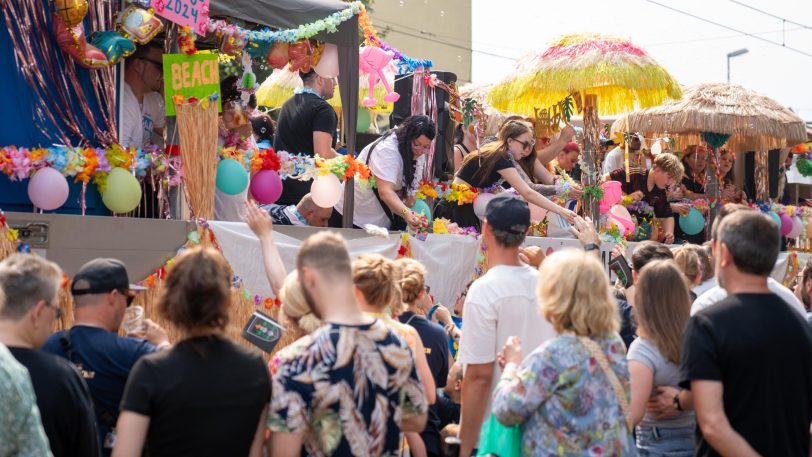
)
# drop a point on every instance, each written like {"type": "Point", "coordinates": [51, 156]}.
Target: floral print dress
{"type": "Point", "coordinates": [565, 401]}
{"type": "Point", "coordinates": [348, 388]}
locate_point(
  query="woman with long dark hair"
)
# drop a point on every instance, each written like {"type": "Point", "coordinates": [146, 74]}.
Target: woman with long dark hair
{"type": "Point", "coordinates": [494, 164]}
{"type": "Point", "coordinates": [730, 192]}
{"type": "Point", "coordinates": [397, 160]}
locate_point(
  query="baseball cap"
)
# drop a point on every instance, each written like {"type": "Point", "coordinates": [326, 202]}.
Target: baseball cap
{"type": "Point", "coordinates": [101, 276]}
{"type": "Point", "coordinates": [508, 214]}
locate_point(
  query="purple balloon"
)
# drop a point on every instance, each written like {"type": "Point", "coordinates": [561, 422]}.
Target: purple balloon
{"type": "Point", "coordinates": [266, 186]}
{"type": "Point", "coordinates": [786, 224]}
{"type": "Point", "coordinates": [48, 189]}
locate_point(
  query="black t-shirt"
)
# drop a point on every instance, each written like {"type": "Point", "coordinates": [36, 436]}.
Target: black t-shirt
{"type": "Point", "coordinates": [300, 116]}
{"type": "Point", "coordinates": [655, 197]}
{"type": "Point", "coordinates": [447, 410]}
{"type": "Point", "coordinates": [470, 172]}
{"type": "Point", "coordinates": [761, 351]}
{"type": "Point", "coordinates": [64, 402]}
{"type": "Point", "coordinates": [203, 397]}
{"type": "Point", "coordinates": [435, 341]}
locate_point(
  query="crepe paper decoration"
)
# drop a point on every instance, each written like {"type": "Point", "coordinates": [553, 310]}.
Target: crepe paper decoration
{"type": "Point", "coordinates": [804, 166]}
{"type": "Point", "coordinates": [372, 61]}
{"type": "Point", "coordinates": [715, 140]}
{"type": "Point", "coordinates": [405, 63]}
{"type": "Point", "coordinates": [622, 75]}
{"type": "Point", "coordinates": [306, 31]}
{"type": "Point", "coordinates": [278, 55]}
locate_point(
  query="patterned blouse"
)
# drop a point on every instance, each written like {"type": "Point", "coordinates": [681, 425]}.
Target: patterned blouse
{"type": "Point", "coordinates": [347, 388]}
{"type": "Point", "coordinates": [21, 432]}
{"type": "Point", "coordinates": [566, 402]}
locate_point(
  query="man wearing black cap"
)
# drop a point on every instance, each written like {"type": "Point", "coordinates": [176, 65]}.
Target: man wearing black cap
{"type": "Point", "coordinates": [307, 125]}
{"type": "Point", "coordinates": [500, 304]}
{"type": "Point", "coordinates": [102, 292]}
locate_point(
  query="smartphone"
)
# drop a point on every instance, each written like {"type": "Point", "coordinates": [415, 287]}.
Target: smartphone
{"type": "Point", "coordinates": [620, 267]}
{"type": "Point", "coordinates": [263, 331]}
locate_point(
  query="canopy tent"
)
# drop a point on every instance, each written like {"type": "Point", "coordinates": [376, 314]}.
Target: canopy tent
{"type": "Point", "coordinates": [287, 14]}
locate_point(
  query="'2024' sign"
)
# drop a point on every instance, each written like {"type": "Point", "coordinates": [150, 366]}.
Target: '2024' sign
{"type": "Point", "coordinates": [191, 13]}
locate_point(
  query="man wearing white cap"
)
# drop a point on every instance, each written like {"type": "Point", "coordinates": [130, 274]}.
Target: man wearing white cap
{"type": "Point", "coordinates": [307, 123]}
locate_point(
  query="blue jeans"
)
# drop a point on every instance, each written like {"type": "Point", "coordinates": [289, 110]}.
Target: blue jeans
{"type": "Point", "coordinates": [665, 442]}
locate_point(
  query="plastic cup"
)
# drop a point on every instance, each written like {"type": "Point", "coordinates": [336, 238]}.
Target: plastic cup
{"type": "Point", "coordinates": [133, 323]}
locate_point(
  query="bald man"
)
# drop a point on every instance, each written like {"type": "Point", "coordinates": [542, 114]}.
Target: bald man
{"type": "Point", "coordinates": [305, 213]}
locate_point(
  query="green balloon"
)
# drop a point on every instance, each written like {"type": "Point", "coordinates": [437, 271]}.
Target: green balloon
{"type": "Point", "coordinates": [122, 193]}
{"type": "Point", "coordinates": [362, 124]}
{"type": "Point", "coordinates": [231, 177]}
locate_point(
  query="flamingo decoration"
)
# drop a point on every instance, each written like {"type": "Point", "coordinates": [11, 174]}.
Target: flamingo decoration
{"type": "Point", "coordinates": [372, 61]}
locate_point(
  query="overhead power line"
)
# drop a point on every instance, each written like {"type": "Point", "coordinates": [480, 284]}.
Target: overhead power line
{"type": "Point", "coordinates": [751, 35]}
{"type": "Point", "coordinates": [788, 21]}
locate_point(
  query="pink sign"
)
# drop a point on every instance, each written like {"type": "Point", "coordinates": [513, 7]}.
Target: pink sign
{"type": "Point", "coordinates": [191, 13]}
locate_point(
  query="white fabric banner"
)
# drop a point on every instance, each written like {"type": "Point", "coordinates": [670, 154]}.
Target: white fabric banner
{"type": "Point", "coordinates": [241, 248]}
{"type": "Point", "coordinates": [450, 260]}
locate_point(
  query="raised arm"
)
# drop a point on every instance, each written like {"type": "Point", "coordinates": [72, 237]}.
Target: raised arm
{"type": "Point", "coordinates": [261, 224]}
{"type": "Point", "coordinates": [545, 155]}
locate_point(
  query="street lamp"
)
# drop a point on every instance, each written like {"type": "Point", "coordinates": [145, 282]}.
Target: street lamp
{"type": "Point", "coordinates": [734, 54]}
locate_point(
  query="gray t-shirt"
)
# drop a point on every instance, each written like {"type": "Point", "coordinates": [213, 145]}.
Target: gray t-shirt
{"type": "Point", "coordinates": [666, 374]}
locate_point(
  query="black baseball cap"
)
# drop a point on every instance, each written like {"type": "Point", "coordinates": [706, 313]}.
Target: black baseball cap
{"type": "Point", "coordinates": [100, 276]}
{"type": "Point", "coordinates": [508, 214]}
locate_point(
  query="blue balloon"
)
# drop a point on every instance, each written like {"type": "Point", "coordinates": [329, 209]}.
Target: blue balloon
{"type": "Point", "coordinates": [692, 223]}
{"type": "Point", "coordinates": [231, 177]}
{"type": "Point", "coordinates": [775, 218]}
{"type": "Point", "coordinates": [421, 207]}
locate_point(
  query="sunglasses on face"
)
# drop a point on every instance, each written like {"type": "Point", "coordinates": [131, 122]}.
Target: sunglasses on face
{"type": "Point", "coordinates": [128, 295]}
{"type": "Point", "coordinates": [525, 144]}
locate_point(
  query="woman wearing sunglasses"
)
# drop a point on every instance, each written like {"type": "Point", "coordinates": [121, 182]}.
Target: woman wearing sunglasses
{"type": "Point", "coordinates": [494, 164]}
{"type": "Point", "coordinates": [397, 160]}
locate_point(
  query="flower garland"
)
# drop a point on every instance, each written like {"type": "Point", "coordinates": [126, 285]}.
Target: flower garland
{"type": "Point", "coordinates": [406, 64]}
{"type": "Point", "coordinates": [306, 31]}
{"type": "Point", "coordinates": [442, 226]}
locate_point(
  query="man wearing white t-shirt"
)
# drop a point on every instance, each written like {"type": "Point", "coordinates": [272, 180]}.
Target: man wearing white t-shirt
{"type": "Point", "coordinates": [615, 159]}
{"type": "Point", "coordinates": [143, 114]}
{"type": "Point", "coordinates": [500, 304]}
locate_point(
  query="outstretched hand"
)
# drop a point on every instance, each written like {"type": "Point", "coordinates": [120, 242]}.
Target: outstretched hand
{"type": "Point", "coordinates": [258, 220]}
{"type": "Point", "coordinates": [584, 230]}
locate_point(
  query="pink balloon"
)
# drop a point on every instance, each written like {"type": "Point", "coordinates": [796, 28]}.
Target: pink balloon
{"type": "Point", "coordinates": [266, 186]}
{"type": "Point", "coordinates": [48, 189]}
{"type": "Point", "coordinates": [612, 195]}
{"type": "Point", "coordinates": [537, 213]}
{"type": "Point", "coordinates": [786, 224]}
{"type": "Point", "coordinates": [326, 190]}
{"type": "Point", "coordinates": [621, 215]}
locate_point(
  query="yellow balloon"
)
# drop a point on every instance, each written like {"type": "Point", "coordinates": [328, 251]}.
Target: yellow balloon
{"type": "Point", "coordinates": [71, 11]}
{"type": "Point", "coordinates": [122, 193]}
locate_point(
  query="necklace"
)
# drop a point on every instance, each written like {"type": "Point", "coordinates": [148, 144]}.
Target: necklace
{"type": "Point", "coordinates": [307, 90]}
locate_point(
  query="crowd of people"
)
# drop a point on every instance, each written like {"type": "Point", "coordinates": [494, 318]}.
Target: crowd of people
{"type": "Point", "coordinates": [374, 366]}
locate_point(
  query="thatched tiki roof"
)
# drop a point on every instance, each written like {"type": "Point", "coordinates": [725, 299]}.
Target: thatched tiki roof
{"type": "Point", "coordinates": [754, 121]}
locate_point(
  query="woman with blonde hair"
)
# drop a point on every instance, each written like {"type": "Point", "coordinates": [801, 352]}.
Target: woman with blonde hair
{"type": "Point", "coordinates": [689, 264]}
{"type": "Point", "coordinates": [662, 308]}
{"type": "Point", "coordinates": [571, 393]}
{"type": "Point", "coordinates": [495, 163]}
{"type": "Point", "coordinates": [299, 319]}
{"type": "Point", "coordinates": [416, 300]}
{"type": "Point", "coordinates": [207, 395]}
{"type": "Point", "coordinates": [378, 295]}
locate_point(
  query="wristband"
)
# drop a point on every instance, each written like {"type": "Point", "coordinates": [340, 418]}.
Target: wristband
{"type": "Point", "coordinates": [404, 211]}
{"type": "Point", "coordinates": [591, 247]}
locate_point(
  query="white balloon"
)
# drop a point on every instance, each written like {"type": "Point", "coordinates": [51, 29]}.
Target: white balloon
{"type": "Point", "coordinates": [481, 202]}
{"type": "Point", "coordinates": [656, 148]}
{"type": "Point", "coordinates": [797, 227]}
{"type": "Point", "coordinates": [328, 64]}
{"type": "Point", "coordinates": [326, 190]}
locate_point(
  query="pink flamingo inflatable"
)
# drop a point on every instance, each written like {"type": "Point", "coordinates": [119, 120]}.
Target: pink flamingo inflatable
{"type": "Point", "coordinates": [372, 61]}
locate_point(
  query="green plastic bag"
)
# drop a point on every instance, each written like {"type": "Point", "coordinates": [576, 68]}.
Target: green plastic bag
{"type": "Point", "coordinates": [496, 439]}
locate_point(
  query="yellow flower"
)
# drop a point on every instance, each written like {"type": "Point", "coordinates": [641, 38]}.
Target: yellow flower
{"type": "Point", "coordinates": [439, 227]}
